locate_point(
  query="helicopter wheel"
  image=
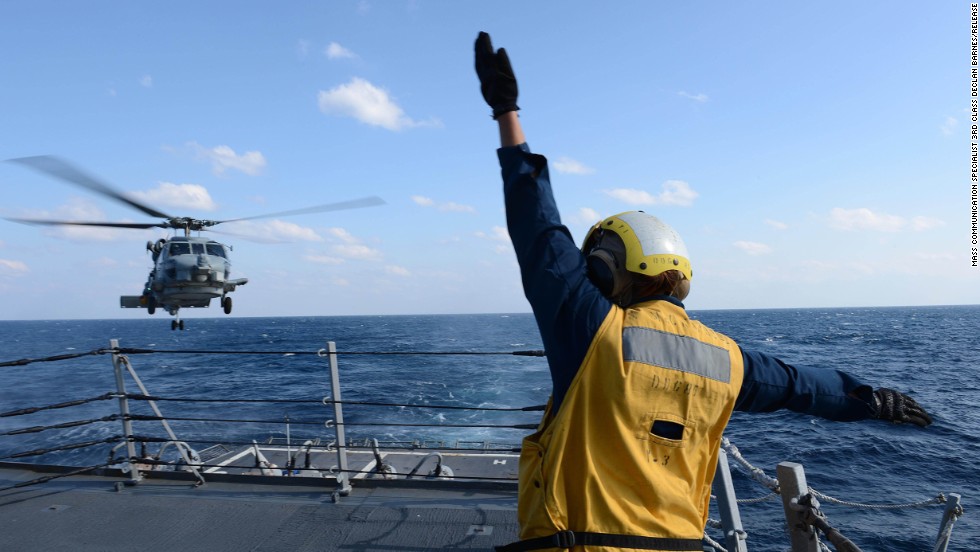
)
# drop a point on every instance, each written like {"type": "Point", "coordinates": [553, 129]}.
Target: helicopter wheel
{"type": "Point", "coordinates": [151, 305]}
{"type": "Point", "coordinates": [173, 325]}
{"type": "Point", "coordinates": [181, 325]}
{"type": "Point", "coordinates": [226, 303]}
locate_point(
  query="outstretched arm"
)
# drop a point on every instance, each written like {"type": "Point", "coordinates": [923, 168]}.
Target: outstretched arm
{"type": "Point", "coordinates": [771, 384]}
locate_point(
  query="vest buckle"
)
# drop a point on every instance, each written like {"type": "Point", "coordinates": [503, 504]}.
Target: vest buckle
{"type": "Point", "coordinates": [564, 539]}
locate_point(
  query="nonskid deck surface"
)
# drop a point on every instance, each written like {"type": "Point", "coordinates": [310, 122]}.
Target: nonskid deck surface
{"type": "Point", "coordinates": [414, 464]}
{"type": "Point", "coordinates": [167, 512]}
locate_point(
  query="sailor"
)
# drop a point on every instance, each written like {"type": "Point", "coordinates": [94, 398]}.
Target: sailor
{"type": "Point", "coordinates": [625, 453]}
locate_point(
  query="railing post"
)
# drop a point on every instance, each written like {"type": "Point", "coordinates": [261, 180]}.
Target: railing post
{"type": "Point", "coordinates": [953, 510]}
{"type": "Point", "coordinates": [731, 521]}
{"type": "Point", "coordinates": [343, 477]}
{"type": "Point", "coordinates": [134, 474]}
{"type": "Point", "coordinates": [792, 485]}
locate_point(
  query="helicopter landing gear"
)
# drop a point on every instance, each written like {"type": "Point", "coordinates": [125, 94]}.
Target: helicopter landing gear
{"type": "Point", "coordinates": [226, 304]}
{"type": "Point", "coordinates": [151, 305]}
{"type": "Point", "coordinates": [174, 324]}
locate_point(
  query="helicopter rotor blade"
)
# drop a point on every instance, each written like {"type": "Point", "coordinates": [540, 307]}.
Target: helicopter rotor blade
{"type": "Point", "coordinates": [370, 201]}
{"type": "Point", "coordinates": [59, 168]}
{"type": "Point", "coordinates": [74, 223]}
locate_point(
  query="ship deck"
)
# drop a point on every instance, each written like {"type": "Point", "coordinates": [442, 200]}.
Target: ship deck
{"type": "Point", "coordinates": [167, 511]}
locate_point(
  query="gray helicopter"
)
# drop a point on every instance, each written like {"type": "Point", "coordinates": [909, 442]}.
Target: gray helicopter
{"type": "Point", "coordinates": [188, 271]}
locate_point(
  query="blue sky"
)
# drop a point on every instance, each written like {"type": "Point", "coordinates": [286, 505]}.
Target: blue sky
{"type": "Point", "coordinates": [811, 154]}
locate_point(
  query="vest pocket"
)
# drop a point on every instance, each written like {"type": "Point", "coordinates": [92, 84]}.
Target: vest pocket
{"type": "Point", "coordinates": [666, 429]}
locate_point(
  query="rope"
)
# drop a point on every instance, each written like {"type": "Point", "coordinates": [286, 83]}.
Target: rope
{"type": "Point", "coordinates": [714, 544]}
{"type": "Point", "coordinates": [37, 429]}
{"type": "Point", "coordinates": [143, 417]}
{"type": "Point", "coordinates": [323, 352]}
{"type": "Point", "coordinates": [145, 439]}
{"type": "Point", "coordinates": [26, 361]}
{"type": "Point", "coordinates": [38, 452]}
{"type": "Point", "coordinates": [140, 397]}
{"type": "Point", "coordinates": [760, 476]}
{"type": "Point", "coordinates": [757, 473]}
{"type": "Point", "coordinates": [23, 411]}
{"type": "Point", "coordinates": [938, 499]}
{"type": "Point", "coordinates": [758, 499]}
{"type": "Point", "coordinates": [131, 351]}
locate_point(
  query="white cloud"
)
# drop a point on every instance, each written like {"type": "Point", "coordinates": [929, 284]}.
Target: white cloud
{"type": "Point", "coordinates": [223, 158]}
{"type": "Point", "coordinates": [778, 225]}
{"type": "Point", "coordinates": [350, 247]}
{"type": "Point", "coordinates": [397, 271]}
{"type": "Point", "coordinates": [585, 215]}
{"type": "Point", "coordinates": [167, 194]}
{"type": "Point", "coordinates": [13, 268]}
{"type": "Point", "coordinates": [675, 192]}
{"type": "Point", "coordinates": [925, 223]}
{"type": "Point", "coordinates": [568, 165]}
{"type": "Point", "coordinates": [343, 235]}
{"type": "Point", "coordinates": [753, 248]}
{"type": "Point", "coordinates": [700, 98]}
{"type": "Point", "coordinates": [456, 207]}
{"type": "Point", "coordinates": [290, 231]}
{"type": "Point", "coordinates": [367, 103]}
{"type": "Point", "coordinates": [146, 81]}
{"type": "Point", "coordinates": [949, 125]}
{"type": "Point", "coordinates": [272, 231]}
{"type": "Point", "coordinates": [497, 233]}
{"type": "Point", "coordinates": [864, 219]}
{"type": "Point", "coordinates": [336, 51]}
{"type": "Point", "coordinates": [358, 252]}
{"type": "Point", "coordinates": [80, 210]}
{"type": "Point", "coordinates": [449, 206]}
{"type": "Point", "coordinates": [323, 259]}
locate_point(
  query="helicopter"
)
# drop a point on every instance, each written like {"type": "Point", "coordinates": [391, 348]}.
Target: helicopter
{"type": "Point", "coordinates": [188, 271]}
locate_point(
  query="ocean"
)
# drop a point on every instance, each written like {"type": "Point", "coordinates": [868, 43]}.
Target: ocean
{"type": "Point", "coordinates": [931, 353]}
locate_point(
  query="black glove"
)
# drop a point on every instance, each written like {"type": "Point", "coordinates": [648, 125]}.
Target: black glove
{"type": "Point", "coordinates": [896, 407]}
{"type": "Point", "coordinates": [497, 80]}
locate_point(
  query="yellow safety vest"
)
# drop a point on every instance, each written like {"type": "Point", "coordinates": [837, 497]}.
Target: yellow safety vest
{"type": "Point", "coordinates": [633, 448]}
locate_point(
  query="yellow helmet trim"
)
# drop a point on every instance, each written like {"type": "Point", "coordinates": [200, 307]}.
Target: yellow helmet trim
{"type": "Point", "coordinates": [652, 246]}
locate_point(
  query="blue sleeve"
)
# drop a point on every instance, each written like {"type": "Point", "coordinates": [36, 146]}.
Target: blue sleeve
{"type": "Point", "coordinates": [567, 307]}
{"type": "Point", "coordinates": [770, 384]}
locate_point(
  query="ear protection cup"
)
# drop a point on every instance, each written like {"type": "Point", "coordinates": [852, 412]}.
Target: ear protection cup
{"type": "Point", "coordinates": [606, 264]}
{"type": "Point", "coordinates": [606, 273]}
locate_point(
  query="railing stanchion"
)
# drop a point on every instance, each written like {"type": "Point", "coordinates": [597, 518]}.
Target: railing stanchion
{"type": "Point", "coordinates": [953, 511]}
{"type": "Point", "coordinates": [792, 485]}
{"type": "Point", "coordinates": [117, 366]}
{"type": "Point", "coordinates": [343, 478]}
{"type": "Point", "coordinates": [731, 521]}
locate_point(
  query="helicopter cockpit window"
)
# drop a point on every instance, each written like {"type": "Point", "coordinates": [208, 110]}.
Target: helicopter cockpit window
{"type": "Point", "coordinates": [198, 248]}
{"type": "Point", "coordinates": [216, 250]}
{"type": "Point", "coordinates": [180, 248]}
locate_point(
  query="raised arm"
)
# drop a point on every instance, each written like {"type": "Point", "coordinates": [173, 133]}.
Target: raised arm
{"type": "Point", "coordinates": [499, 88]}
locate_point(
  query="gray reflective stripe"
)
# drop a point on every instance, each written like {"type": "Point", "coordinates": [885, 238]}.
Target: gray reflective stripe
{"type": "Point", "coordinates": [676, 352]}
